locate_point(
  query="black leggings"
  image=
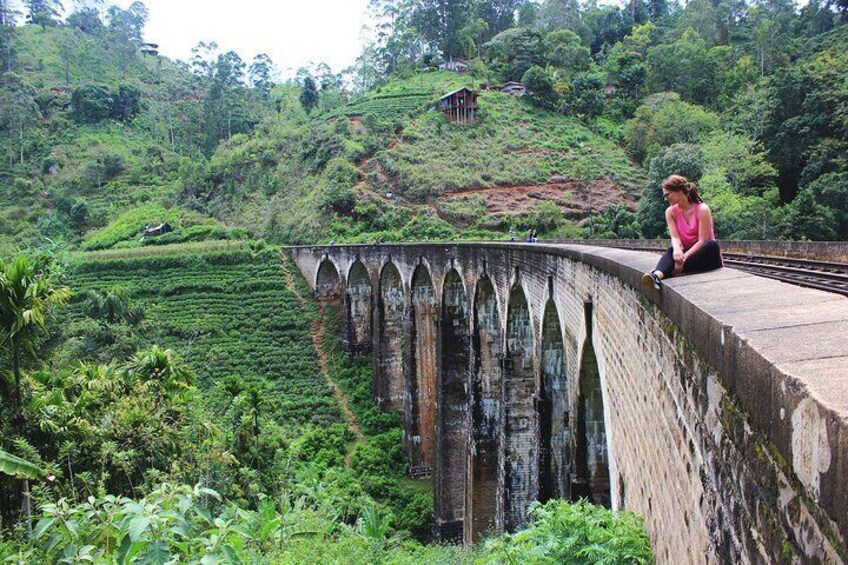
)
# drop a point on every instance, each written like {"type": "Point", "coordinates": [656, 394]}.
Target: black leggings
{"type": "Point", "coordinates": [706, 258]}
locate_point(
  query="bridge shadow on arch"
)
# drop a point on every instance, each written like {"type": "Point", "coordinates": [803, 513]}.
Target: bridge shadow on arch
{"type": "Point", "coordinates": [327, 282]}
{"type": "Point", "coordinates": [592, 478]}
{"type": "Point", "coordinates": [553, 412]}
{"type": "Point", "coordinates": [519, 447]}
{"type": "Point", "coordinates": [481, 506]}
{"type": "Point", "coordinates": [449, 508]}
{"type": "Point", "coordinates": [421, 398]}
{"type": "Point", "coordinates": [358, 311]}
{"type": "Point", "coordinates": [389, 354]}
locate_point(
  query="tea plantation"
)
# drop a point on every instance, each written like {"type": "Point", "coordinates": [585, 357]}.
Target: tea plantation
{"type": "Point", "coordinates": [226, 309]}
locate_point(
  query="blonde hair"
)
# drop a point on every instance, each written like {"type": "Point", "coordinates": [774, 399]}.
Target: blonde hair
{"type": "Point", "coordinates": [677, 183]}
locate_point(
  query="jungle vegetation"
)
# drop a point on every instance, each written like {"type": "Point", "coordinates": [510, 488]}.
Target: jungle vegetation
{"type": "Point", "coordinates": [139, 425]}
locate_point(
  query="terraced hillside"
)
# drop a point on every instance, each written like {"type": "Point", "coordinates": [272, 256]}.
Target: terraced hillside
{"type": "Point", "coordinates": [226, 309]}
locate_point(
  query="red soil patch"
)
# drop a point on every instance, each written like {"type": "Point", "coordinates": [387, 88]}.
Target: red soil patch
{"type": "Point", "coordinates": [575, 198]}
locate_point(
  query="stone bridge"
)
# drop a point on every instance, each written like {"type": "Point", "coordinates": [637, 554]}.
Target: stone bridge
{"type": "Point", "coordinates": [717, 410]}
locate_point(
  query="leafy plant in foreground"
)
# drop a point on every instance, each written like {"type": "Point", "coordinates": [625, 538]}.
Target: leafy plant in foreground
{"type": "Point", "coordinates": [576, 533]}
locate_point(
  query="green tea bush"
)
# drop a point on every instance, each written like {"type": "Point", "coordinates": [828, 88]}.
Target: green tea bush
{"type": "Point", "coordinates": [202, 299]}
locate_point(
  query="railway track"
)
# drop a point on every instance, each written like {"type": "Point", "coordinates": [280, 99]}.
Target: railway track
{"type": "Point", "coordinates": [822, 275]}
{"type": "Point", "coordinates": [829, 276]}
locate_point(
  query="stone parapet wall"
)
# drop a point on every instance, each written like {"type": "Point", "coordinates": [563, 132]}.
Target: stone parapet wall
{"type": "Point", "coordinates": [834, 251]}
{"type": "Point", "coordinates": [725, 398]}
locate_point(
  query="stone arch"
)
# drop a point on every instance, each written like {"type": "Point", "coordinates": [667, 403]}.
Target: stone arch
{"type": "Point", "coordinates": [421, 430]}
{"type": "Point", "coordinates": [554, 422]}
{"type": "Point", "coordinates": [481, 503]}
{"type": "Point", "coordinates": [592, 459]}
{"type": "Point", "coordinates": [358, 310]}
{"type": "Point", "coordinates": [328, 283]}
{"type": "Point", "coordinates": [388, 373]}
{"type": "Point", "coordinates": [454, 340]}
{"type": "Point", "coordinates": [520, 450]}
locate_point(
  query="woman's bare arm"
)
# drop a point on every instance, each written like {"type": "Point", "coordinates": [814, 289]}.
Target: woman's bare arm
{"type": "Point", "coordinates": [676, 244]}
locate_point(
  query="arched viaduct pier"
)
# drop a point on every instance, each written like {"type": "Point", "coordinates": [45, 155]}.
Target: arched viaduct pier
{"type": "Point", "coordinates": [717, 410]}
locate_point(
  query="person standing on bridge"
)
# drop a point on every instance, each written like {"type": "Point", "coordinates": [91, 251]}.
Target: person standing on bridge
{"type": "Point", "coordinates": [690, 225]}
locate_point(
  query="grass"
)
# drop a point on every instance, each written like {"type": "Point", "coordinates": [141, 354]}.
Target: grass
{"type": "Point", "coordinates": [224, 307]}
{"type": "Point", "coordinates": [510, 143]}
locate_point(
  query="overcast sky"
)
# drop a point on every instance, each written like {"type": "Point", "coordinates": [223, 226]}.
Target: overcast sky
{"type": "Point", "coordinates": [293, 33]}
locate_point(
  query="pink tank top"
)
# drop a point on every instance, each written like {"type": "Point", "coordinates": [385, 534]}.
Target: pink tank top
{"type": "Point", "coordinates": [688, 231]}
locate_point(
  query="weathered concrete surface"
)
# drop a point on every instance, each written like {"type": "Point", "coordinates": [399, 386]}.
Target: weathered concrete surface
{"type": "Point", "coordinates": [452, 410]}
{"type": "Point", "coordinates": [392, 344]}
{"type": "Point", "coordinates": [724, 400]}
{"type": "Point", "coordinates": [421, 408]}
{"type": "Point", "coordinates": [358, 304]}
{"type": "Point", "coordinates": [482, 505]}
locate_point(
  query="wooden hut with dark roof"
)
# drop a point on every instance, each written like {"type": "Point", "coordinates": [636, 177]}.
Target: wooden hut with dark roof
{"type": "Point", "coordinates": [459, 106]}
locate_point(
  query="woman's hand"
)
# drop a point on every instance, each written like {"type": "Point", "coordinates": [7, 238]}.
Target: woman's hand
{"type": "Point", "coordinates": [678, 256]}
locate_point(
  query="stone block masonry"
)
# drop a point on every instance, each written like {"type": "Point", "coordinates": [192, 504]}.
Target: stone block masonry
{"type": "Point", "coordinates": [717, 410]}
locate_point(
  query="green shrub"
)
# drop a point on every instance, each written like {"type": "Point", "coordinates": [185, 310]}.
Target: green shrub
{"type": "Point", "coordinates": [91, 103]}
{"type": "Point", "coordinates": [564, 532]}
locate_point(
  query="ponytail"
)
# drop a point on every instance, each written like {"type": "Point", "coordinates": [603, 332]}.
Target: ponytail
{"type": "Point", "coordinates": [692, 192]}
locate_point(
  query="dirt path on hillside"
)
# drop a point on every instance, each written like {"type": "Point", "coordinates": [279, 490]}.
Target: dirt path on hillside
{"type": "Point", "coordinates": [317, 331]}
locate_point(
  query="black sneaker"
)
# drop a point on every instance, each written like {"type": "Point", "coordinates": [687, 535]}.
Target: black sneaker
{"type": "Point", "coordinates": [651, 282]}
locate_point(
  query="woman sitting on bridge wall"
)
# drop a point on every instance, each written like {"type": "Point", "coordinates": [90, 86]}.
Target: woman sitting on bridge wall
{"type": "Point", "coordinates": [690, 225]}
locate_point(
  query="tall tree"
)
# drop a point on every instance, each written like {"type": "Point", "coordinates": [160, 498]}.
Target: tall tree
{"type": "Point", "coordinates": [261, 74]}
{"type": "Point", "coordinates": [87, 20]}
{"type": "Point", "coordinates": [686, 66]}
{"type": "Point", "coordinates": [18, 111]}
{"type": "Point", "coordinates": [440, 23]}
{"type": "Point", "coordinates": [699, 15]}
{"type": "Point", "coordinates": [202, 62]}
{"type": "Point", "coordinates": [43, 12]}
{"type": "Point", "coordinates": [128, 25]}
{"type": "Point", "coordinates": [125, 31]}
{"type": "Point", "coordinates": [528, 14]}
{"type": "Point", "coordinates": [27, 296]}
{"type": "Point", "coordinates": [515, 50]}
{"type": "Point", "coordinates": [561, 14]}
{"type": "Point", "coordinates": [473, 35]}
{"type": "Point", "coordinates": [566, 52]}
{"type": "Point", "coordinates": [498, 15]}
{"type": "Point", "coordinates": [396, 42]}
{"type": "Point", "coordinates": [308, 94]}
{"type": "Point", "coordinates": [7, 31]}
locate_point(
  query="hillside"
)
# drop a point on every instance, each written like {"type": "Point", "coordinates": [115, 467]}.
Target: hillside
{"type": "Point", "coordinates": [226, 309]}
{"type": "Point", "coordinates": [386, 166]}
{"type": "Point", "coordinates": [70, 173]}
{"type": "Point", "coordinates": [78, 180]}
{"type": "Point", "coordinates": [265, 364]}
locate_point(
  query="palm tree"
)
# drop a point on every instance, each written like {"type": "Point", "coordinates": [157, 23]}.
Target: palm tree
{"type": "Point", "coordinates": [112, 305]}
{"type": "Point", "coordinates": [27, 295]}
{"type": "Point", "coordinates": [160, 367]}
